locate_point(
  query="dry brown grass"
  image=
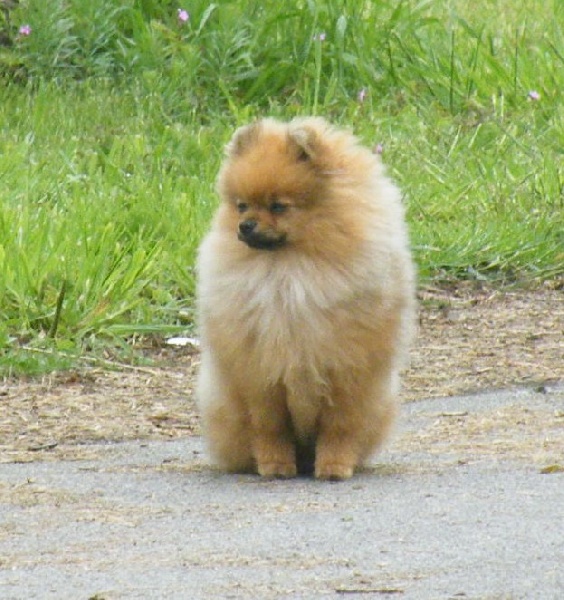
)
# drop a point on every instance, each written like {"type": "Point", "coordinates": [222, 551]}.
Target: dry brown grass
{"type": "Point", "coordinates": [474, 339]}
{"type": "Point", "coordinates": [469, 340]}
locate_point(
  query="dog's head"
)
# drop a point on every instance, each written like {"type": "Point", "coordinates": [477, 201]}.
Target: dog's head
{"type": "Point", "coordinates": [272, 178]}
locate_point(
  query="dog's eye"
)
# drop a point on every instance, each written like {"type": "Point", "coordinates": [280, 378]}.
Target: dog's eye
{"type": "Point", "coordinates": [278, 208]}
{"type": "Point", "coordinates": [242, 207]}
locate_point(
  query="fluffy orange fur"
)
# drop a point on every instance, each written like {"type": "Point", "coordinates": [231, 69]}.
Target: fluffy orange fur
{"type": "Point", "coordinates": [306, 302]}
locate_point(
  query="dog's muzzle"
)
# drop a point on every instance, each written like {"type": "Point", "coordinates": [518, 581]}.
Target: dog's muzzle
{"type": "Point", "coordinates": [259, 240]}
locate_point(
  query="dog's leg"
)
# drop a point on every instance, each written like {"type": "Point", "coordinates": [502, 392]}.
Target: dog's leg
{"type": "Point", "coordinates": [352, 426]}
{"type": "Point", "coordinates": [272, 437]}
{"type": "Point", "coordinates": [336, 453]}
{"type": "Point", "coordinates": [226, 420]}
{"type": "Point", "coordinates": [228, 432]}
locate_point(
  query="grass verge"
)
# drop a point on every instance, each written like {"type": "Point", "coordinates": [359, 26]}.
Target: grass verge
{"type": "Point", "coordinates": [113, 123]}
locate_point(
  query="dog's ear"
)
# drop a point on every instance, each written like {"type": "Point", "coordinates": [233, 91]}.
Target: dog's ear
{"type": "Point", "coordinates": [305, 141]}
{"type": "Point", "coordinates": [242, 139]}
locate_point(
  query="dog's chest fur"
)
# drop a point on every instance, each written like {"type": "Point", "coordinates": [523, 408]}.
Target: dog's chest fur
{"type": "Point", "coordinates": [291, 313]}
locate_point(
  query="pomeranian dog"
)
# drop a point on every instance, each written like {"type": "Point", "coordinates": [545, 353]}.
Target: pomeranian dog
{"type": "Point", "coordinates": [306, 302]}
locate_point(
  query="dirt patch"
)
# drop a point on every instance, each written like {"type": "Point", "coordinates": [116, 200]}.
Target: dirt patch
{"type": "Point", "coordinates": [474, 339]}
{"type": "Point", "coordinates": [520, 433]}
{"type": "Point", "coordinates": [470, 339]}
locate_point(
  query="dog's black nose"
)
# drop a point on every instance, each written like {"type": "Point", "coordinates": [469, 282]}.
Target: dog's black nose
{"type": "Point", "coordinates": [247, 226]}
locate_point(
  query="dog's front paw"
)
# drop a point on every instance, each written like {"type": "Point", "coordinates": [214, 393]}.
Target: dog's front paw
{"type": "Point", "coordinates": [277, 470]}
{"type": "Point", "coordinates": [333, 471]}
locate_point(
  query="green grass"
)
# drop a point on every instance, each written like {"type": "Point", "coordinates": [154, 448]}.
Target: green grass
{"type": "Point", "coordinates": [112, 123]}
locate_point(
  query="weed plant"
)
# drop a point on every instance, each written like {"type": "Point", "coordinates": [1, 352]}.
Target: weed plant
{"type": "Point", "coordinates": [113, 117]}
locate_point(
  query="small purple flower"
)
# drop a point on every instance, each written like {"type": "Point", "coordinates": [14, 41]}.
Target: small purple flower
{"type": "Point", "coordinates": [319, 37]}
{"type": "Point", "coordinates": [534, 96]}
{"type": "Point", "coordinates": [183, 15]}
{"type": "Point", "coordinates": [362, 95]}
{"type": "Point", "coordinates": [25, 30]}
{"type": "Point", "coordinates": [378, 149]}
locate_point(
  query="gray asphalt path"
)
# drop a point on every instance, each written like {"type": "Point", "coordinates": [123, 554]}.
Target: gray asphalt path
{"type": "Point", "coordinates": [435, 519]}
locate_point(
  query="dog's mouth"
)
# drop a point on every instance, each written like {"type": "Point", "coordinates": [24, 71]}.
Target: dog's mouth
{"type": "Point", "coordinates": [260, 241]}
